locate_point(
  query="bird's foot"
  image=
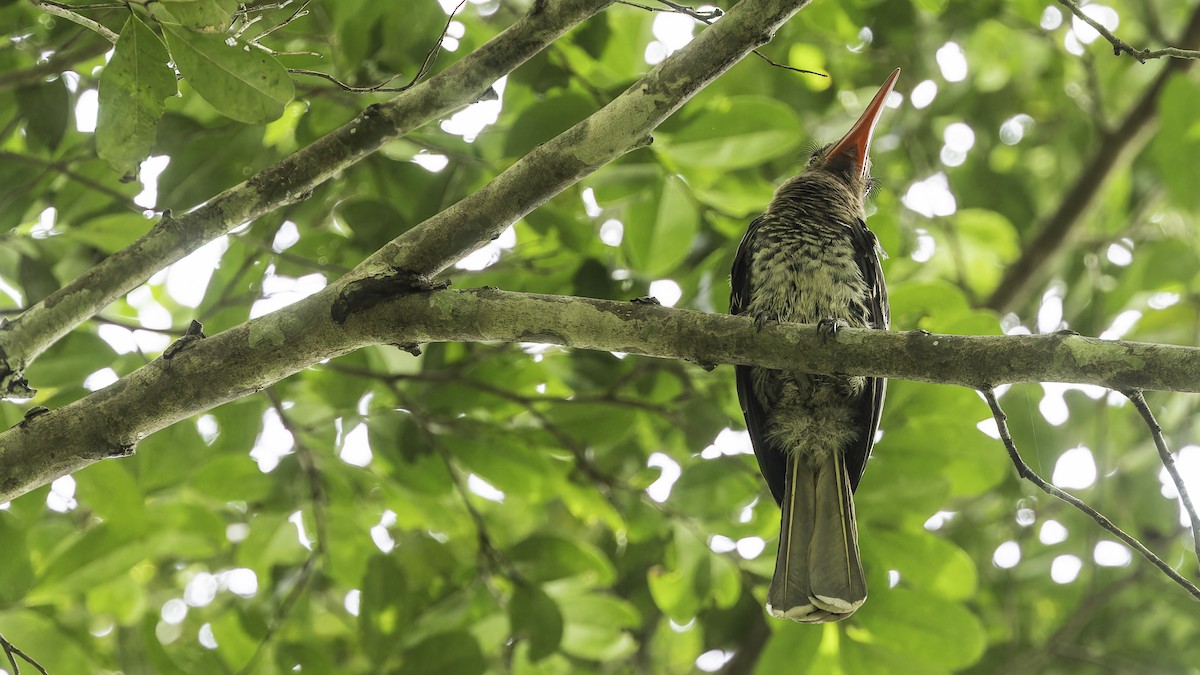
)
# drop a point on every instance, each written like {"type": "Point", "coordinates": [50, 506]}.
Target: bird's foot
{"type": "Point", "coordinates": [828, 328]}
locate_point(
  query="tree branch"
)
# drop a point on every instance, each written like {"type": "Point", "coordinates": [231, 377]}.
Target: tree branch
{"type": "Point", "coordinates": [109, 422]}
{"type": "Point", "coordinates": [288, 181]}
{"type": "Point", "coordinates": [12, 652]}
{"type": "Point", "coordinates": [1029, 474]}
{"type": "Point", "coordinates": [62, 60]}
{"type": "Point", "coordinates": [1130, 136]}
{"type": "Point", "coordinates": [66, 12]}
{"type": "Point", "coordinates": [1168, 462]}
{"type": "Point", "coordinates": [1120, 46]}
{"type": "Point", "coordinates": [617, 128]}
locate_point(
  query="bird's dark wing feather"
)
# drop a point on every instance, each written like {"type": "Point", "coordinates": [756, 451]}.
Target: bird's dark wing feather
{"type": "Point", "coordinates": [870, 406]}
{"type": "Point", "coordinates": [771, 460]}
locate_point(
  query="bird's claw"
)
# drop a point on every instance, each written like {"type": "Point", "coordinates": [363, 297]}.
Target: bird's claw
{"type": "Point", "coordinates": [828, 328]}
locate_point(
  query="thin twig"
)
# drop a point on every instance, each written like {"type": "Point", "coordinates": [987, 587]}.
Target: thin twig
{"type": "Point", "coordinates": [285, 609]}
{"type": "Point", "coordinates": [11, 651]}
{"type": "Point", "coordinates": [1120, 46]}
{"type": "Point", "coordinates": [319, 502]}
{"type": "Point", "coordinates": [382, 87]}
{"type": "Point", "coordinates": [68, 13]}
{"type": "Point", "coordinates": [707, 17]}
{"type": "Point", "coordinates": [316, 482]}
{"type": "Point", "coordinates": [60, 61]}
{"type": "Point", "coordinates": [1168, 462]}
{"type": "Point", "coordinates": [1024, 471]}
{"type": "Point", "coordinates": [301, 12]}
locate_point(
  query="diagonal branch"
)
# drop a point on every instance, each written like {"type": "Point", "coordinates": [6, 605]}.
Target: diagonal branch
{"type": "Point", "coordinates": [1120, 46]}
{"type": "Point", "coordinates": [13, 652]}
{"type": "Point", "coordinates": [622, 125]}
{"type": "Point", "coordinates": [1168, 462]}
{"type": "Point", "coordinates": [289, 181]}
{"type": "Point", "coordinates": [1029, 474]}
{"type": "Point", "coordinates": [1114, 152]}
{"type": "Point", "coordinates": [68, 13]}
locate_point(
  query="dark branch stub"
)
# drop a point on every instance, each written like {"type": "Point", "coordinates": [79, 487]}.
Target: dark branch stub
{"type": "Point", "coordinates": [366, 293]}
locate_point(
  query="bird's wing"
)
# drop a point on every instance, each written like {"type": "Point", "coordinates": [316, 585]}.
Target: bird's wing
{"type": "Point", "coordinates": [870, 406]}
{"type": "Point", "coordinates": [771, 460]}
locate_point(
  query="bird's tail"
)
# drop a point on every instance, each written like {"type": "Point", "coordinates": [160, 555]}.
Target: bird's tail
{"type": "Point", "coordinates": [818, 574]}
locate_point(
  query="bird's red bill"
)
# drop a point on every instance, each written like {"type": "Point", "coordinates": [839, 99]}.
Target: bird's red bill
{"type": "Point", "coordinates": [859, 136]}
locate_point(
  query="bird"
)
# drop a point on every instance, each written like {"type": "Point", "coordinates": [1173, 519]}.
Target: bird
{"type": "Point", "coordinates": [809, 258]}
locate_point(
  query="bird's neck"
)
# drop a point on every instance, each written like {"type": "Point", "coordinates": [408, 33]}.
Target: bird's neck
{"type": "Point", "coordinates": [818, 193]}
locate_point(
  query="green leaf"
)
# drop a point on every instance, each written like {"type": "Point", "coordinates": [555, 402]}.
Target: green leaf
{"type": "Point", "coordinates": [110, 491]}
{"type": "Point", "coordinates": [791, 648]}
{"type": "Point", "coordinates": [714, 488]}
{"type": "Point", "coordinates": [734, 133]}
{"type": "Point", "coordinates": [456, 652]}
{"type": "Point", "coordinates": [235, 643]}
{"type": "Point", "coordinates": [661, 222]}
{"type": "Point", "coordinates": [132, 88]}
{"type": "Point", "coordinates": [383, 611]}
{"type": "Point", "coordinates": [923, 627]}
{"type": "Point", "coordinates": [70, 361]}
{"type": "Point", "coordinates": [535, 617]}
{"type": "Point", "coordinates": [46, 108]}
{"type": "Point", "coordinates": [113, 232]}
{"type": "Point", "coordinates": [544, 120]}
{"type": "Point", "coordinates": [1177, 142]}
{"type": "Point", "coordinates": [925, 562]}
{"type": "Point", "coordinates": [15, 566]}
{"type": "Point", "coordinates": [594, 627]}
{"type": "Point", "coordinates": [241, 82]}
{"type": "Point", "coordinates": [55, 648]}
{"type": "Point", "coordinates": [232, 478]}
{"type": "Point", "coordinates": [544, 557]}
{"type": "Point", "coordinates": [122, 597]}
{"type": "Point", "coordinates": [210, 16]}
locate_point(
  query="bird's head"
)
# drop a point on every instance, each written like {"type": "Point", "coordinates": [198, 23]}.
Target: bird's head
{"type": "Point", "coordinates": [848, 160]}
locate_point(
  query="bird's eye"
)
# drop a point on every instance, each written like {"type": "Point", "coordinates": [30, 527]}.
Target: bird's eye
{"type": "Point", "coordinates": [816, 154]}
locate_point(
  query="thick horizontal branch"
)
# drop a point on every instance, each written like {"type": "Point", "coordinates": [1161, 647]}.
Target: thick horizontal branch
{"type": "Point", "coordinates": [249, 357]}
{"type": "Point", "coordinates": [974, 361]}
{"type": "Point", "coordinates": [286, 182]}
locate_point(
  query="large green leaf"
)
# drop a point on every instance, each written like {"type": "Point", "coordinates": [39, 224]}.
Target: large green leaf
{"type": "Point", "coordinates": [241, 81]}
{"type": "Point", "coordinates": [536, 617]}
{"type": "Point", "coordinates": [922, 627]}
{"type": "Point", "coordinates": [210, 16]}
{"type": "Point", "coordinates": [734, 133]}
{"type": "Point", "coordinates": [660, 224]}
{"type": "Point", "coordinates": [132, 88]}
{"type": "Point", "coordinates": [1178, 141]}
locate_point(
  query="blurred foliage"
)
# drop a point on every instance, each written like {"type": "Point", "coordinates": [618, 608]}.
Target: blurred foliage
{"type": "Point", "coordinates": [501, 522]}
